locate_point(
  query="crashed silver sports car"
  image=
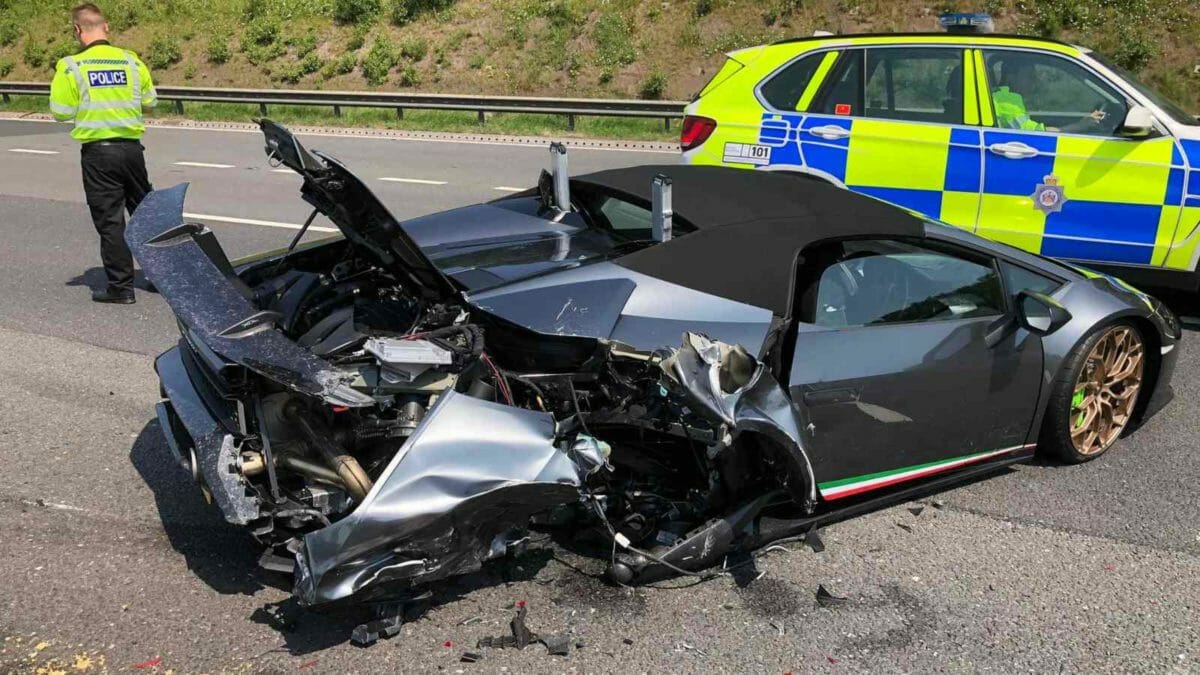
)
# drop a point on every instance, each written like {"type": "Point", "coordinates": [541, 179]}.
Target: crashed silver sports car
{"type": "Point", "coordinates": [688, 361]}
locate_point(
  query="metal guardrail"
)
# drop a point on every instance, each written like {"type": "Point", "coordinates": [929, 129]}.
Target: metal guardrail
{"type": "Point", "coordinates": [481, 105]}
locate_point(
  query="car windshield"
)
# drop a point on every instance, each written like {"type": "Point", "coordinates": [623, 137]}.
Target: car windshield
{"type": "Point", "coordinates": [1168, 106]}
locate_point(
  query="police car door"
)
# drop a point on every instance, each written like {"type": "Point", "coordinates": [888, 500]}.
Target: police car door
{"type": "Point", "coordinates": [1058, 180]}
{"type": "Point", "coordinates": [904, 110]}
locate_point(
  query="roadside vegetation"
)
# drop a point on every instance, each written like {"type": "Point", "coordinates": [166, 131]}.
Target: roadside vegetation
{"type": "Point", "coordinates": [598, 48]}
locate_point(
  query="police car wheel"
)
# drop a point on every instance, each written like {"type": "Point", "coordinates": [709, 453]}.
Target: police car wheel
{"type": "Point", "coordinates": [1095, 394]}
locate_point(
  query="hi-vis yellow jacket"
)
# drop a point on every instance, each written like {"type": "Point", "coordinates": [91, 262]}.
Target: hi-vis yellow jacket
{"type": "Point", "coordinates": [104, 89]}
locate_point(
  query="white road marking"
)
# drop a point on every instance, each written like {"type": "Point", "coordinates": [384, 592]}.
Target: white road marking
{"type": "Point", "coordinates": [205, 165]}
{"type": "Point", "coordinates": [252, 221]}
{"type": "Point", "coordinates": [416, 181]}
{"type": "Point", "coordinates": [505, 188]}
{"type": "Point", "coordinates": [28, 151]}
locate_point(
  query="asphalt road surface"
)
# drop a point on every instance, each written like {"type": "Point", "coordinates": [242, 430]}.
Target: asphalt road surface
{"type": "Point", "coordinates": [111, 561]}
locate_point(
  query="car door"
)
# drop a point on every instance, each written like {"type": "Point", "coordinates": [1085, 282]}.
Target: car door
{"type": "Point", "coordinates": [1063, 184]}
{"type": "Point", "coordinates": [900, 123]}
{"type": "Point", "coordinates": [892, 363]}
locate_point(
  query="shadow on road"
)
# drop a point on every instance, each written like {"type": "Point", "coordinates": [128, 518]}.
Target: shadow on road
{"type": "Point", "coordinates": [96, 281]}
{"type": "Point", "coordinates": [222, 556]}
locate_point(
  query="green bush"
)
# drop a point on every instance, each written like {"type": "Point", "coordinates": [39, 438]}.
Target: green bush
{"type": "Point", "coordinates": [262, 54]}
{"type": "Point", "coordinates": [6, 67]}
{"type": "Point", "coordinates": [311, 63]}
{"type": "Point", "coordinates": [305, 44]}
{"type": "Point", "coordinates": [614, 47]}
{"type": "Point", "coordinates": [261, 32]}
{"type": "Point", "coordinates": [477, 60]}
{"type": "Point", "coordinates": [189, 71]}
{"type": "Point", "coordinates": [163, 52]}
{"type": "Point", "coordinates": [355, 11]}
{"type": "Point", "coordinates": [122, 16]}
{"type": "Point", "coordinates": [403, 11]}
{"type": "Point", "coordinates": [346, 63]}
{"type": "Point", "coordinates": [357, 39]}
{"type": "Point", "coordinates": [379, 61]}
{"type": "Point", "coordinates": [9, 32]}
{"type": "Point", "coordinates": [34, 55]}
{"type": "Point", "coordinates": [654, 86]}
{"type": "Point", "coordinates": [414, 48]}
{"type": "Point", "coordinates": [288, 73]}
{"type": "Point", "coordinates": [1133, 49]}
{"type": "Point", "coordinates": [217, 50]}
{"type": "Point", "coordinates": [702, 8]}
{"type": "Point", "coordinates": [408, 77]}
{"type": "Point", "coordinates": [61, 51]}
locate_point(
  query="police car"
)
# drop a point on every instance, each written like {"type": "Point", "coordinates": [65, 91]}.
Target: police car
{"type": "Point", "coordinates": [1036, 143]}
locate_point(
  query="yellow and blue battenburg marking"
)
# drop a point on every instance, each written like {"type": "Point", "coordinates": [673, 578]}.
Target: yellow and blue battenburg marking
{"type": "Point", "coordinates": [1075, 198]}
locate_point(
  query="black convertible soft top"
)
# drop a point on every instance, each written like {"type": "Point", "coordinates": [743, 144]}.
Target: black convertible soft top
{"type": "Point", "coordinates": [750, 225]}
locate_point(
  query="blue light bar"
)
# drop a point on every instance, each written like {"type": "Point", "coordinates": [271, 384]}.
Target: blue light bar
{"type": "Point", "coordinates": [967, 22]}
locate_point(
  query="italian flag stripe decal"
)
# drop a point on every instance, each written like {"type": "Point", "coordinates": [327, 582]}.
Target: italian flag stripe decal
{"type": "Point", "coordinates": [847, 487]}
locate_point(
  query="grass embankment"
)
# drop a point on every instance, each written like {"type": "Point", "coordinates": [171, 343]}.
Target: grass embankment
{"type": "Point", "coordinates": [599, 48]}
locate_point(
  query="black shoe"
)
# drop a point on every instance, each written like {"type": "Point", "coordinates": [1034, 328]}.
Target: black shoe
{"type": "Point", "coordinates": [114, 297]}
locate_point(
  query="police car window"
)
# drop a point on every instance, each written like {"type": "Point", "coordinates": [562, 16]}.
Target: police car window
{"type": "Point", "coordinates": [1041, 92]}
{"type": "Point", "coordinates": [1168, 106]}
{"type": "Point", "coordinates": [842, 95]}
{"type": "Point", "coordinates": [915, 84]}
{"type": "Point", "coordinates": [877, 282]}
{"type": "Point", "coordinates": [784, 89]}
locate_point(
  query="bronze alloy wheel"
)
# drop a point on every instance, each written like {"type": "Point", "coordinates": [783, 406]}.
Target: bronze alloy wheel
{"type": "Point", "coordinates": [1106, 390]}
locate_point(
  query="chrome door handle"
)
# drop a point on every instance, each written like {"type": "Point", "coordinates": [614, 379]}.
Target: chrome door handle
{"type": "Point", "coordinates": [830, 131]}
{"type": "Point", "coordinates": [1013, 150]}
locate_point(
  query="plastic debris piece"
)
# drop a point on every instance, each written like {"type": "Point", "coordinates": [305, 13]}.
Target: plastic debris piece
{"type": "Point", "coordinates": [471, 657]}
{"type": "Point", "coordinates": [938, 504]}
{"type": "Point", "coordinates": [831, 659]}
{"type": "Point", "coordinates": [916, 510]}
{"type": "Point", "coordinates": [520, 631]}
{"type": "Point", "coordinates": [827, 599]}
{"type": "Point", "coordinates": [308, 664]}
{"type": "Point", "coordinates": [627, 641]}
{"type": "Point", "coordinates": [779, 627]}
{"type": "Point", "coordinates": [448, 644]}
{"type": "Point", "coordinates": [813, 539]}
{"type": "Point", "coordinates": [148, 664]}
{"type": "Point", "coordinates": [471, 620]}
{"type": "Point", "coordinates": [367, 634]}
{"type": "Point", "coordinates": [906, 528]}
{"type": "Point", "coordinates": [557, 645]}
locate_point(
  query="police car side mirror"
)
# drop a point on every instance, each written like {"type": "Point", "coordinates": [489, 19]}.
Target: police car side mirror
{"type": "Point", "coordinates": [1138, 123]}
{"type": "Point", "coordinates": [1040, 314]}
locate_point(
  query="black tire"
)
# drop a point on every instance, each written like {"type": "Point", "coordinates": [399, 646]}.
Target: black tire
{"type": "Point", "coordinates": [1055, 438]}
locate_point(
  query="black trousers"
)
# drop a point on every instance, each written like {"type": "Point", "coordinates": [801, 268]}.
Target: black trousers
{"type": "Point", "coordinates": [115, 181]}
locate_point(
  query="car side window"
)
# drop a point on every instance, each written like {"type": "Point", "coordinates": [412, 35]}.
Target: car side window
{"type": "Point", "coordinates": [784, 89]}
{"type": "Point", "coordinates": [875, 282]}
{"type": "Point", "coordinates": [1017, 279]}
{"type": "Point", "coordinates": [915, 84]}
{"type": "Point", "coordinates": [1041, 92]}
{"type": "Point", "coordinates": [842, 95]}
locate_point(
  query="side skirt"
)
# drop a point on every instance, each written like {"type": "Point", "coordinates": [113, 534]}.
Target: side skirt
{"type": "Point", "coordinates": [774, 529]}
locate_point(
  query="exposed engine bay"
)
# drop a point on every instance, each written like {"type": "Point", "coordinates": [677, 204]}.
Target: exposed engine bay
{"type": "Point", "coordinates": [479, 429]}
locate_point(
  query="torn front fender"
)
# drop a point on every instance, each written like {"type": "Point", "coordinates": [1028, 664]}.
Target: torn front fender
{"type": "Point", "coordinates": [734, 388]}
{"type": "Point", "coordinates": [472, 473]}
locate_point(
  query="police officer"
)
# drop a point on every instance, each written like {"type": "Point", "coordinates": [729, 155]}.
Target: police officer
{"type": "Point", "coordinates": [104, 89]}
{"type": "Point", "coordinates": [1009, 103]}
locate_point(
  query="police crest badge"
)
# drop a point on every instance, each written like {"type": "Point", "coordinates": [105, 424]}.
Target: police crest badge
{"type": "Point", "coordinates": [1048, 196]}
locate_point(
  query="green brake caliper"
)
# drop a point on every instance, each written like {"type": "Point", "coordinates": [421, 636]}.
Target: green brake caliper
{"type": "Point", "coordinates": [1076, 402]}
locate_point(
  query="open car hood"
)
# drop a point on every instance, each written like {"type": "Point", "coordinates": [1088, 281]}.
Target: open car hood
{"type": "Point", "coordinates": [342, 197]}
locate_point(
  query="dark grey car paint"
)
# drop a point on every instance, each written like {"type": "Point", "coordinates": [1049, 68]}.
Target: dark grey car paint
{"type": "Point", "coordinates": [473, 470]}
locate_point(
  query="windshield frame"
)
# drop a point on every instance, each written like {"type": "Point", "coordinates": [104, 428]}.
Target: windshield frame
{"type": "Point", "coordinates": [1169, 107]}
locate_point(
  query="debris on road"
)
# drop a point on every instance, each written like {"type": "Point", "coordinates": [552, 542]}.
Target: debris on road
{"type": "Point", "coordinates": [151, 663]}
{"type": "Point", "coordinates": [813, 539]}
{"type": "Point", "coordinates": [906, 528]}
{"type": "Point", "coordinates": [827, 599]}
{"type": "Point", "coordinates": [916, 510]}
{"type": "Point", "coordinates": [557, 644]}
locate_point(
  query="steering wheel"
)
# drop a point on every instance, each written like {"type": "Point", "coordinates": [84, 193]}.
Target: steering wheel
{"type": "Point", "coordinates": [1111, 109]}
{"type": "Point", "coordinates": [884, 286]}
